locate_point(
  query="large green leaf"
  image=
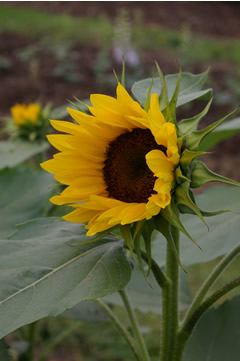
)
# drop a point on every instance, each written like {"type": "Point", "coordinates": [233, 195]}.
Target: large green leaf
{"type": "Point", "coordinates": [224, 131]}
{"type": "Point", "coordinates": [42, 274]}
{"type": "Point", "coordinates": [223, 234]}
{"type": "Point", "coordinates": [23, 195]}
{"type": "Point", "coordinates": [13, 153]}
{"type": "Point", "coordinates": [190, 88]}
{"type": "Point", "coordinates": [216, 336]}
{"type": "Point", "coordinates": [147, 297]}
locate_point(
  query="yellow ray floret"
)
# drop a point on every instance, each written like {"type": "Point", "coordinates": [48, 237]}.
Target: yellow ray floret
{"type": "Point", "coordinates": [118, 162]}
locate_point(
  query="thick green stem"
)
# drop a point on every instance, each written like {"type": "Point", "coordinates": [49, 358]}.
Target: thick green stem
{"type": "Point", "coordinates": [170, 303]}
{"type": "Point", "coordinates": [209, 282]}
{"type": "Point", "coordinates": [188, 326]}
{"type": "Point", "coordinates": [135, 326]}
{"type": "Point", "coordinates": [123, 331]}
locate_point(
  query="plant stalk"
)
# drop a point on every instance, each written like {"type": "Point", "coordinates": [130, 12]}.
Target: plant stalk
{"type": "Point", "coordinates": [170, 303]}
{"type": "Point", "coordinates": [135, 326]}
{"type": "Point", "coordinates": [209, 282]}
{"type": "Point", "coordinates": [123, 331]}
{"type": "Point", "coordinates": [188, 326]}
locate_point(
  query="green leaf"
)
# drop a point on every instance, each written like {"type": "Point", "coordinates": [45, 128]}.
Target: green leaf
{"type": "Point", "coordinates": [224, 131]}
{"type": "Point", "coordinates": [13, 153]}
{"type": "Point", "coordinates": [3, 351]}
{"type": "Point", "coordinates": [223, 232]}
{"type": "Point", "coordinates": [147, 297]}
{"type": "Point", "coordinates": [190, 87]}
{"type": "Point", "coordinates": [43, 275]}
{"type": "Point", "coordinates": [216, 336]}
{"type": "Point", "coordinates": [24, 194]}
{"type": "Point", "coordinates": [202, 175]}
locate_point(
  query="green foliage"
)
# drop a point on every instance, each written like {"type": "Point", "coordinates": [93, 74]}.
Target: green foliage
{"type": "Point", "coordinates": [23, 195]}
{"type": "Point", "coordinates": [43, 275]}
{"type": "Point", "coordinates": [223, 232]}
{"type": "Point", "coordinates": [147, 297]}
{"type": "Point", "coordinates": [190, 88]}
{"type": "Point", "coordinates": [216, 336]}
{"type": "Point", "coordinates": [13, 153]}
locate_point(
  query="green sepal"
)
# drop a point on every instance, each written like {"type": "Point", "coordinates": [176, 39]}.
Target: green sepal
{"type": "Point", "coordinates": [123, 74]}
{"type": "Point", "coordinates": [171, 215]}
{"type": "Point", "coordinates": [80, 102]}
{"type": "Point", "coordinates": [183, 197]}
{"type": "Point", "coordinates": [202, 175]}
{"type": "Point", "coordinates": [147, 104]}
{"type": "Point", "coordinates": [180, 143]}
{"type": "Point", "coordinates": [164, 227]}
{"type": "Point", "coordinates": [173, 101]}
{"type": "Point", "coordinates": [179, 175]}
{"type": "Point", "coordinates": [137, 249]}
{"type": "Point", "coordinates": [191, 124]}
{"type": "Point", "coordinates": [164, 97]}
{"type": "Point", "coordinates": [187, 157]}
{"type": "Point", "coordinates": [147, 231]}
{"type": "Point", "coordinates": [127, 236]}
{"type": "Point", "coordinates": [116, 77]}
{"type": "Point", "coordinates": [193, 140]}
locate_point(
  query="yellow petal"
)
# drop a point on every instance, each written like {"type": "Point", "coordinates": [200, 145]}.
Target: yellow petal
{"type": "Point", "coordinates": [160, 165]}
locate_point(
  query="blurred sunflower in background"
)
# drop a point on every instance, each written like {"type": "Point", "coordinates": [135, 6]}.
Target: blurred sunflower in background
{"type": "Point", "coordinates": [27, 122]}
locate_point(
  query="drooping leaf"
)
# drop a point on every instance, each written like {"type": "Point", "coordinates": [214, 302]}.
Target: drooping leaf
{"type": "Point", "coordinates": [43, 275]}
{"type": "Point", "coordinates": [190, 88]}
{"type": "Point", "coordinates": [223, 234]}
{"type": "Point", "coordinates": [24, 194]}
{"type": "Point", "coordinates": [13, 153]}
{"type": "Point", "coordinates": [216, 336]}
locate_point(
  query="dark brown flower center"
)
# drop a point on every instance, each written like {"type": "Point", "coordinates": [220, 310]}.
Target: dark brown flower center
{"type": "Point", "coordinates": [126, 174]}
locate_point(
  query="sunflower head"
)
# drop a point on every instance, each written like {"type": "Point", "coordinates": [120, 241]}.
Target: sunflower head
{"type": "Point", "coordinates": [128, 166]}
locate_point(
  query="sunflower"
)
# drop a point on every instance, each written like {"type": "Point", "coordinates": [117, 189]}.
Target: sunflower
{"type": "Point", "coordinates": [23, 114]}
{"type": "Point", "coordinates": [118, 162]}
